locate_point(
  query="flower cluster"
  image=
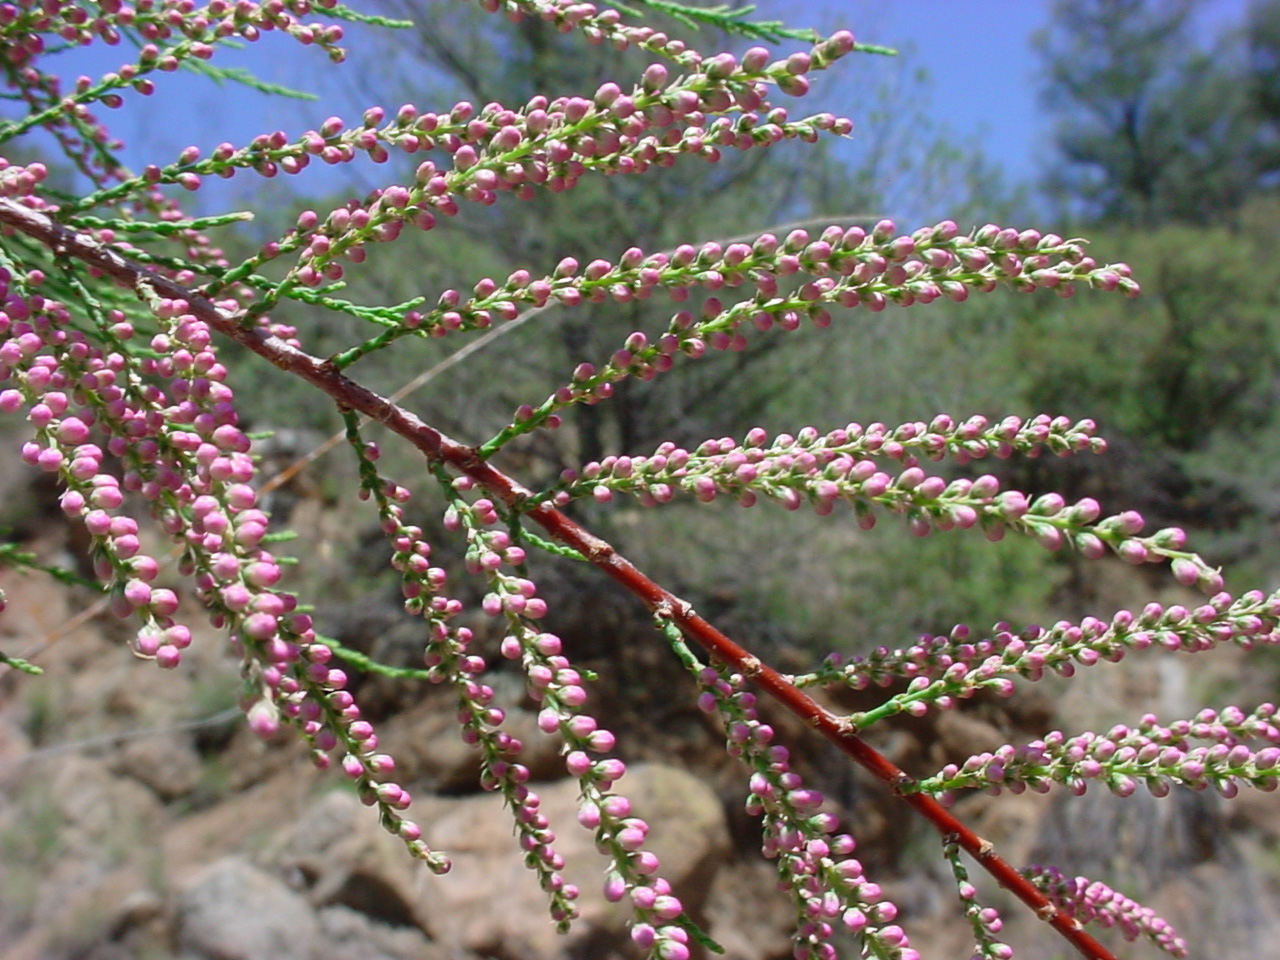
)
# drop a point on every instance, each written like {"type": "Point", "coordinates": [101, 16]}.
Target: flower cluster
{"type": "Point", "coordinates": [844, 465]}
{"type": "Point", "coordinates": [827, 884]}
{"type": "Point", "coordinates": [661, 927]}
{"type": "Point", "coordinates": [1092, 901]}
{"type": "Point", "coordinates": [843, 267]}
{"type": "Point", "coordinates": [731, 467]}
{"type": "Point", "coordinates": [83, 24]}
{"type": "Point", "coordinates": [600, 26]}
{"type": "Point", "coordinates": [985, 921]}
{"type": "Point", "coordinates": [1151, 755]}
{"type": "Point", "coordinates": [549, 143]}
{"type": "Point", "coordinates": [941, 438]}
{"type": "Point", "coordinates": [448, 658]}
{"type": "Point", "coordinates": [167, 415]}
{"type": "Point", "coordinates": [168, 34]}
{"type": "Point", "coordinates": [942, 670]}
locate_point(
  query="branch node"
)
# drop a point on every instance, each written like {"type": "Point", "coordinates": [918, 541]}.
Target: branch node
{"type": "Point", "coordinates": [598, 551]}
{"type": "Point", "coordinates": [903, 783]}
{"type": "Point", "coordinates": [751, 666]}
{"type": "Point", "coordinates": [146, 290]}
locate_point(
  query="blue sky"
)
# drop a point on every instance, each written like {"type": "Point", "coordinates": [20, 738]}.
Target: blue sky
{"type": "Point", "coordinates": [983, 81]}
{"type": "Point", "coordinates": [985, 75]}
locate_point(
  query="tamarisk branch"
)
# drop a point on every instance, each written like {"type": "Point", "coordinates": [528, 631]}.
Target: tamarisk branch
{"type": "Point", "coordinates": [439, 448]}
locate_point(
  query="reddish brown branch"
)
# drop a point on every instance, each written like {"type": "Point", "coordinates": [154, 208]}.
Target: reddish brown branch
{"type": "Point", "coordinates": [438, 447]}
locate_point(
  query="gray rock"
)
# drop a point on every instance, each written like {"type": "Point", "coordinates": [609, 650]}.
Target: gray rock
{"type": "Point", "coordinates": [489, 903]}
{"type": "Point", "coordinates": [234, 911]}
{"type": "Point", "coordinates": [349, 934]}
{"type": "Point", "coordinates": [337, 854]}
{"type": "Point", "coordinates": [168, 765]}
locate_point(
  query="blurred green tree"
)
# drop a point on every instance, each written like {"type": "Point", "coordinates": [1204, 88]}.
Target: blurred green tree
{"type": "Point", "coordinates": [1152, 127]}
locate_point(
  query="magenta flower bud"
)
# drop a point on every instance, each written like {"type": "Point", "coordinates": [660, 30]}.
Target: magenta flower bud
{"type": "Point", "coordinates": [755, 60]}
{"type": "Point", "coordinates": [1049, 505]}
{"type": "Point", "coordinates": [239, 496]}
{"type": "Point", "coordinates": [352, 767]}
{"type": "Point", "coordinates": [137, 593]}
{"type": "Point", "coordinates": [643, 935]}
{"type": "Point", "coordinates": [576, 108]}
{"type": "Point", "coordinates": [1133, 551]}
{"type": "Point", "coordinates": [393, 795]}
{"type": "Point", "coordinates": [163, 603]}
{"type": "Point", "coordinates": [1086, 510]}
{"type": "Point", "coordinates": [589, 817]}
{"type": "Point", "coordinates": [260, 626]}
{"type": "Point", "coordinates": [910, 478]}
{"type": "Point", "coordinates": [616, 806]}
{"type": "Point", "coordinates": [1089, 545]}
{"type": "Point", "coordinates": [72, 430]}
{"type": "Point", "coordinates": [264, 719]}
{"type": "Point", "coordinates": [883, 231]}
{"type": "Point", "coordinates": [615, 886]}
{"type": "Point", "coordinates": [654, 77]}
{"type": "Point", "coordinates": [932, 487]}
{"type": "Point", "coordinates": [1129, 523]}
{"type": "Point", "coordinates": [644, 897]}
{"type": "Point", "coordinates": [465, 157]}
{"type": "Point", "coordinates": [601, 741]}
{"type": "Point", "coordinates": [1049, 537]}
{"type": "Point", "coordinates": [226, 566]}
{"type": "Point", "coordinates": [631, 838]}
{"type": "Point", "coordinates": [667, 907]}
{"type": "Point", "coordinates": [611, 769]}
{"type": "Point", "coordinates": [548, 720]}
{"type": "Point", "coordinates": [126, 546]}
{"type": "Point", "coordinates": [547, 644]}
{"type": "Point", "coordinates": [178, 636]}
{"type": "Point", "coordinates": [578, 763]}
{"type": "Point", "coordinates": [720, 67]}
{"type": "Point", "coordinates": [49, 459]}
{"type": "Point", "coordinates": [147, 643]}
{"type": "Point", "coordinates": [793, 85]}
{"type": "Point", "coordinates": [607, 93]}
{"type": "Point", "coordinates": [900, 249]}
{"type": "Point", "coordinates": [704, 488]}
{"type": "Point", "coordinates": [168, 657]}
{"type": "Point", "coordinates": [1123, 786]}
{"type": "Point", "coordinates": [854, 920]}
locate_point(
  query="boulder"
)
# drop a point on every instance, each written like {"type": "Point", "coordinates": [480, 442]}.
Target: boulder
{"type": "Point", "coordinates": [489, 902]}
{"type": "Point", "coordinates": [337, 854]}
{"type": "Point", "coordinates": [348, 934]}
{"type": "Point", "coordinates": [168, 764]}
{"type": "Point", "coordinates": [234, 911]}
